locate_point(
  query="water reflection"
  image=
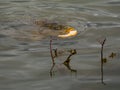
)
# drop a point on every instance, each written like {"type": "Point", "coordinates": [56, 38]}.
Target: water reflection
{"type": "Point", "coordinates": [66, 63]}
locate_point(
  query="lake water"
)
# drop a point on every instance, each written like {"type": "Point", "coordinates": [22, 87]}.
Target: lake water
{"type": "Point", "coordinates": [25, 61]}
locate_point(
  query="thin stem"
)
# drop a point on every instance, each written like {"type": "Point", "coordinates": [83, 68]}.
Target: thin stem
{"type": "Point", "coordinates": [52, 57]}
{"type": "Point", "coordinates": [102, 64]}
{"type": "Point", "coordinates": [51, 70]}
{"type": "Point", "coordinates": [102, 72]}
{"type": "Point", "coordinates": [51, 53]}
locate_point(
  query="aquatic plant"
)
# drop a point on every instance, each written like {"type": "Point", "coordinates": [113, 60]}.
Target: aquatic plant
{"type": "Point", "coordinates": [52, 57]}
{"type": "Point", "coordinates": [103, 60]}
{"type": "Point", "coordinates": [51, 52]}
{"type": "Point", "coordinates": [112, 55]}
{"type": "Point", "coordinates": [54, 54]}
{"type": "Point", "coordinates": [67, 61]}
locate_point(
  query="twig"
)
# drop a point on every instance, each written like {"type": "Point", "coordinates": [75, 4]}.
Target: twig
{"type": "Point", "coordinates": [102, 62]}
{"type": "Point", "coordinates": [51, 53]}
{"type": "Point", "coordinates": [52, 57]}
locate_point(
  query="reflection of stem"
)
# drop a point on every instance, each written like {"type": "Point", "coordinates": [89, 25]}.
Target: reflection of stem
{"type": "Point", "coordinates": [69, 68]}
{"type": "Point", "coordinates": [51, 70]}
{"type": "Point", "coordinates": [102, 73]}
{"type": "Point", "coordinates": [67, 62]}
{"type": "Point", "coordinates": [52, 57]}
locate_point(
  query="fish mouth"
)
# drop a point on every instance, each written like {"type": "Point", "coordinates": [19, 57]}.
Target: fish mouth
{"type": "Point", "coordinates": [69, 32]}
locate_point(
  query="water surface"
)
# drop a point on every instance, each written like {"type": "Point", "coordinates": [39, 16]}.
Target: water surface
{"type": "Point", "coordinates": [25, 62]}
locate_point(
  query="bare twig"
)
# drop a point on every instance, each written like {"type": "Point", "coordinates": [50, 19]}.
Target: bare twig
{"type": "Point", "coordinates": [102, 60]}
{"type": "Point", "coordinates": [51, 53]}
{"type": "Point", "coordinates": [52, 57]}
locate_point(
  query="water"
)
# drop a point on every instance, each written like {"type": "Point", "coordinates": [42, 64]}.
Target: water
{"type": "Point", "coordinates": [25, 60]}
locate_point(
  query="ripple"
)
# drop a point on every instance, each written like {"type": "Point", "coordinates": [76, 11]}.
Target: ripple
{"type": "Point", "coordinates": [8, 55]}
{"type": "Point", "coordinates": [103, 24]}
{"type": "Point", "coordinates": [20, 1]}
{"type": "Point", "coordinates": [114, 2]}
{"type": "Point", "coordinates": [2, 36]}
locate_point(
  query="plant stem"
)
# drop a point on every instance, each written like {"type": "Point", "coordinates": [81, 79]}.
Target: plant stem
{"type": "Point", "coordinates": [102, 72]}
{"type": "Point", "coordinates": [51, 53]}
{"type": "Point", "coordinates": [52, 57]}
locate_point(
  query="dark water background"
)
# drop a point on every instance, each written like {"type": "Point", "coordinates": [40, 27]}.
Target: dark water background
{"type": "Point", "coordinates": [25, 63]}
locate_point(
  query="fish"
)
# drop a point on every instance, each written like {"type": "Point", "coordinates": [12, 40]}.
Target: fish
{"type": "Point", "coordinates": [39, 30]}
{"type": "Point", "coordinates": [67, 31]}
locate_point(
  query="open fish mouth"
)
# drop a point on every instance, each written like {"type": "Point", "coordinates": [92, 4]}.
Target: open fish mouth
{"type": "Point", "coordinates": [70, 32]}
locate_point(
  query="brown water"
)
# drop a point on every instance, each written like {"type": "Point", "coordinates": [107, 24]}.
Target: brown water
{"type": "Point", "coordinates": [25, 62]}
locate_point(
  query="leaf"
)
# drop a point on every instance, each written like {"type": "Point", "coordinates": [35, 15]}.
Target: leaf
{"type": "Point", "coordinates": [112, 55]}
{"type": "Point", "coordinates": [104, 60]}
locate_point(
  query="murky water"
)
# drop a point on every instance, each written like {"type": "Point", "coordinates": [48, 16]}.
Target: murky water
{"type": "Point", "coordinates": [25, 61]}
